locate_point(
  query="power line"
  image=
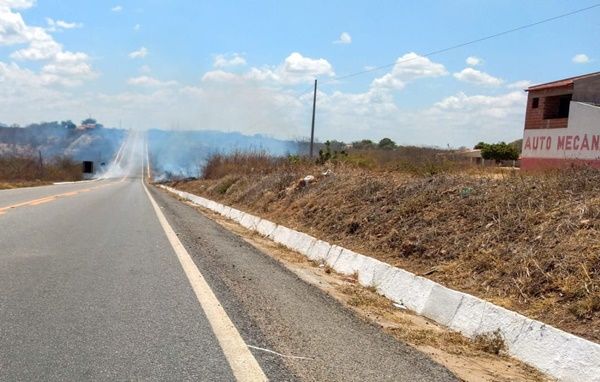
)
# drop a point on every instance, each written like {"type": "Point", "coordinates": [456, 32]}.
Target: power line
{"type": "Point", "coordinates": [435, 52]}
{"type": "Point", "coordinates": [519, 28]}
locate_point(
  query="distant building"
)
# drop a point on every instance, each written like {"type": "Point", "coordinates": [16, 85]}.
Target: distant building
{"type": "Point", "coordinates": [473, 156]}
{"type": "Point", "coordinates": [562, 123]}
{"type": "Point", "coordinates": [87, 124]}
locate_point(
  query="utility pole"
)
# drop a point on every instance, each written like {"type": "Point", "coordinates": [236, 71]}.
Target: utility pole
{"type": "Point", "coordinates": [312, 127]}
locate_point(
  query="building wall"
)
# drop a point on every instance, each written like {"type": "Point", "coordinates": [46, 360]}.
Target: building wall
{"type": "Point", "coordinates": [587, 90]}
{"type": "Point", "coordinates": [578, 143]}
{"type": "Point", "coordinates": [534, 118]}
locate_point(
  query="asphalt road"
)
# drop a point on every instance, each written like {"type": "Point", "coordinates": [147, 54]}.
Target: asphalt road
{"type": "Point", "coordinates": [91, 288]}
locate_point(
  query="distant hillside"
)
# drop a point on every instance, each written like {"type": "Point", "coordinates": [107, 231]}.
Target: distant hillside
{"type": "Point", "coordinates": [53, 139]}
{"type": "Point", "coordinates": [180, 153]}
{"type": "Point", "coordinates": [184, 152]}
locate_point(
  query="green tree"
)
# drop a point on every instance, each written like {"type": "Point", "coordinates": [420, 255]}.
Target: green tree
{"type": "Point", "coordinates": [363, 144]}
{"type": "Point", "coordinates": [499, 151]}
{"type": "Point", "coordinates": [386, 144]}
{"type": "Point", "coordinates": [68, 124]}
{"type": "Point", "coordinates": [328, 154]}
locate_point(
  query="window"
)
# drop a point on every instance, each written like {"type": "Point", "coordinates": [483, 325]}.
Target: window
{"type": "Point", "coordinates": [535, 103]}
{"type": "Point", "coordinates": [557, 106]}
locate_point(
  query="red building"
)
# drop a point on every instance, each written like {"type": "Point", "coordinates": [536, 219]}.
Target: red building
{"type": "Point", "coordinates": [562, 123]}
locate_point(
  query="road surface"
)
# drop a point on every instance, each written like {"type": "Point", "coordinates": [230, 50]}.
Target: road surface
{"type": "Point", "coordinates": [115, 280]}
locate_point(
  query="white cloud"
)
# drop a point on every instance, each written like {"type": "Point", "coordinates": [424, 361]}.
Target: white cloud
{"type": "Point", "coordinates": [294, 70]}
{"type": "Point", "coordinates": [58, 25]}
{"type": "Point", "coordinates": [409, 67]}
{"type": "Point", "coordinates": [224, 61]}
{"type": "Point", "coordinates": [297, 68]}
{"type": "Point", "coordinates": [140, 53]}
{"type": "Point", "coordinates": [17, 4]}
{"type": "Point", "coordinates": [137, 27]}
{"type": "Point", "coordinates": [149, 82]}
{"type": "Point", "coordinates": [345, 38]}
{"type": "Point", "coordinates": [69, 69]}
{"type": "Point", "coordinates": [13, 29]}
{"type": "Point", "coordinates": [467, 119]}
{"type": "Point", "coordinates": [473, 61]}
{"type": "Point", "coordinates": [581, 59]}
{"type": "Point", "coordinates": [496, 106]}
{"type": "Point", "coordinates": [60, 66]}
{"type": "Point", "coordinates": [42, 46]}
{"type": "Point", "coordinates": [220, 76]}
{"type": "Point", "coordinates": [523, 84]}
{"type": "Point", "coordinates": [264, 100]}
{"type": "Point", "coordinates": [477, 77]}
{"type": "Point", "coordinates": [117, 8]}
{"type": "Point", "coordinates": [24, 94]}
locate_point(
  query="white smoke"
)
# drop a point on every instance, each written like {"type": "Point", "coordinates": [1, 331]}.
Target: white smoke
{"type": "Point", "coordinates": [129, 160]}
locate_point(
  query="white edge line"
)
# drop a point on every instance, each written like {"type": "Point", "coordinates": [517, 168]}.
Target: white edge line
{"type": "Point", "coordinates": [242, 362]}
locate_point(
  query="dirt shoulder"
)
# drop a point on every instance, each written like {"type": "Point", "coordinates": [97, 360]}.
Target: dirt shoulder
{"type": "Point", "coordinates": [10, 185]}
{"type": "Point", "coordinates": [528, 242]}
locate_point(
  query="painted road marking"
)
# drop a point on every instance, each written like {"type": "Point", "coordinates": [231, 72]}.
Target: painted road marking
{"type": "Point", "coordinates": [242, 362]}
{"type": "Point", "coordinates": [50, 198]}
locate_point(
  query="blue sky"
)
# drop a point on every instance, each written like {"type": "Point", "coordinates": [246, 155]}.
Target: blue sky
{"type": "Point", "coordinates": [247, 66]}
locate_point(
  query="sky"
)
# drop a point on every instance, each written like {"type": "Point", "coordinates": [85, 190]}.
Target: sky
{"type": "Point", "coordinates": [250, 66]}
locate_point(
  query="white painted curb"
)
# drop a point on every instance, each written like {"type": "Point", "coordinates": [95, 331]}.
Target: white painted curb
{"type": "Point", "coordinates": [557, 353]}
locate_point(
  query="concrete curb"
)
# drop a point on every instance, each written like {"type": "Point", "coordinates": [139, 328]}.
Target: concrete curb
{"type": "Point", "coordinates": [559, 354]}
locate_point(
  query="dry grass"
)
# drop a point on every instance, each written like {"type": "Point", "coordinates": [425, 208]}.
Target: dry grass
{"type": "Point", "coordinates": [408, 159]}
{"type": "Point", "coordinates": [241, 163]}
{"type": "Point", "coordinates": [529, 242]}
{"type": "Point", "coordinates": [17, 171]}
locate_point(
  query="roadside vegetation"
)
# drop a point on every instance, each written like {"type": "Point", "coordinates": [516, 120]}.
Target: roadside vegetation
{"type": "Point", "coordinates": [526, 241]}
{"type": "Point", "coordinates": [25, 171]}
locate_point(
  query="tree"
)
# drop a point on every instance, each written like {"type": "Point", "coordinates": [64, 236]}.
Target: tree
{"type": "Point", "coordinates": [386, 144]}
{"type": "Point", "coordinates": [363, 144]}
{"type": "Point", "coordinates": [498, 151]}
{"type": "Point", "coordinates": [518, 145]}
{"type": "Point", "coordinates": [68, 124]}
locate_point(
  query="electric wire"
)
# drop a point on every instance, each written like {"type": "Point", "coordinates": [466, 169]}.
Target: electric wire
{"type": "Point", "coordinates": [453, 47]}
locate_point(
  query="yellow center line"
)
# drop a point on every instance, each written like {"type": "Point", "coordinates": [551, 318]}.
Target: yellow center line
{"type": "Point", "coordinates": [46, 199]}
{"type": "Point", "coordinates": [42, 201]}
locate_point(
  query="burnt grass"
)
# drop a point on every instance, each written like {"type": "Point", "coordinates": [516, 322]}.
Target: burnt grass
{"type": "Point", "coordinates": [528, 242]}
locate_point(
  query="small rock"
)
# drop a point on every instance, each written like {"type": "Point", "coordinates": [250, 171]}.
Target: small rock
{"type": "Point", "coordinates": [306, 181]}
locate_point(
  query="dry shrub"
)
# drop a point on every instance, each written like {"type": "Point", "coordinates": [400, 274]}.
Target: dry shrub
{"type": "Point", "coordinates": [409, 159]}
{"type": "Point", "coordinates": [26, 168]}
{"type": "Point", "coordinates": [241, 163]}
{"type": "Point", "coordinates": [492, 343]}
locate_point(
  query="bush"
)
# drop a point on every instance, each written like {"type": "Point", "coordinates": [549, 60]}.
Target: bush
{"type": "Point", "coordinates": [329, 155]}
{"type": "Point", "coordinates": [498, 151]}
{"type": "Point", "coordinates": [16, 168]}
{"type": "Point", "coordinates": [386, 144]}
